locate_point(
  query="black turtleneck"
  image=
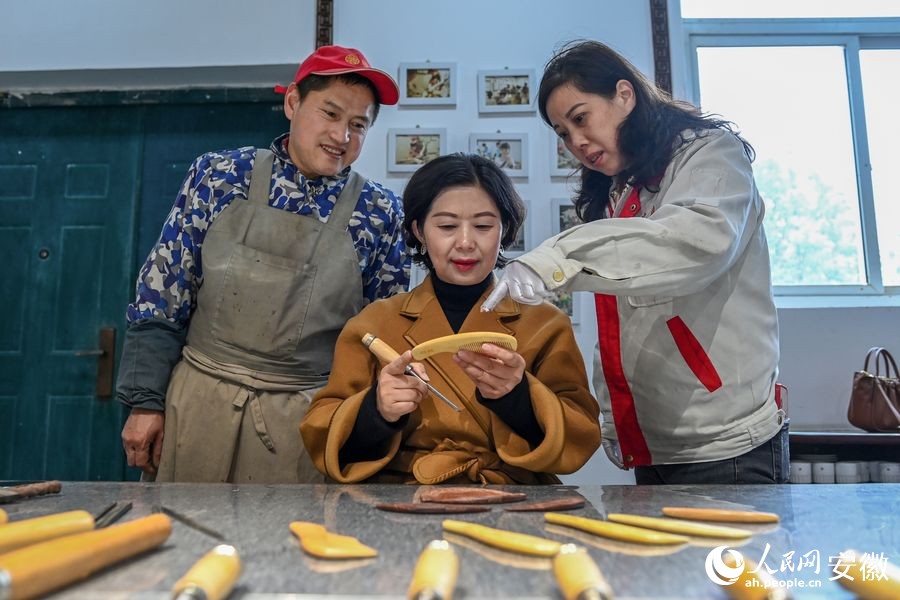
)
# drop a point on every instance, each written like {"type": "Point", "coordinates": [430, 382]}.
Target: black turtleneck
{"type": "Point", "coordinates": [371, 430]}
{"type": "Point", "coordinates": [457, 301]}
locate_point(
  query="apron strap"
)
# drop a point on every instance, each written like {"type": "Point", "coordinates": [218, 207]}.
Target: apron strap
{"type": "Point", "coordinates": [259, 186]}
{"type": "Point", "coordinates": [346, 202]}
{"type": "Point", "coordinates": [343, 208]}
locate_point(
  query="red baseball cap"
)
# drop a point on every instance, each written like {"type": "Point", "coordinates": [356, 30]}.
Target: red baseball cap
{"type": "Point", "coordinates": [337, 60]}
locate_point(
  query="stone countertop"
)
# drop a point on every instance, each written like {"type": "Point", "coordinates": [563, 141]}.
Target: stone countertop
{"type": "Point", "coordinates": [823, 519]}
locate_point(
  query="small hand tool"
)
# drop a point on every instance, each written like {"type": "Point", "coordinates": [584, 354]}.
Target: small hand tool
{"type": "Point", "coordinates": [189, 522]}
{"type": "Point", "coordinates": [41, 568]}
{"type": "Point", "coordinates": [388, 354]}
{"type": "Point", "coordinates": [435, 575]}
{"type": "Point", "coordinates": [578, 575]}
{"type": "Point", "coordinates": [212, 577]}
{"type": "Point", "coordinates": [111, 514]}
{"type": "Point", "coordinates": [17, 492]}
{"type": "Point", "coordinates": [39, 529]}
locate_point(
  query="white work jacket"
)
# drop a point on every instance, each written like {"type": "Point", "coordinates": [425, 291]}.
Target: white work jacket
{"type": "Point", "coordinates": [688, 334]}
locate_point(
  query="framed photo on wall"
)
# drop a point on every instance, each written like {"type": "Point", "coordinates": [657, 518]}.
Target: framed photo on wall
{"type": "Point", "coordinates": [562, 163]}
{"type": "Point", "coordinates": [508, 151]}
{"type": "Point", "coordinates": [564, 215]}
{"type": "Point", "coordinates": [409, 149]}
{"type": "Point", "coordinates": [522, 241]}
{"type": "Point", "coordinates": [506, 90]}
{"type": "Point", "coordinates": [427, 84]}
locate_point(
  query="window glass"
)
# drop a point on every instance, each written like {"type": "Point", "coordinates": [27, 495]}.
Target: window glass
{"type": "Point", "coordinates": [880, 69]}
{"type": "Point", "coordinates": [791, 104]}
{"type": "Point", "coordinates": [742, 9]}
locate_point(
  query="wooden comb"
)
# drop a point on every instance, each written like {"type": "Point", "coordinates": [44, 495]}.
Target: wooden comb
{"type": "Point", "coordinates": [471, 341]}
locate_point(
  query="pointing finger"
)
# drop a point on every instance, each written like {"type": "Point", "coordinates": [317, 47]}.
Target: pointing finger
{"type": "Point", "coordinates": [496, 296]}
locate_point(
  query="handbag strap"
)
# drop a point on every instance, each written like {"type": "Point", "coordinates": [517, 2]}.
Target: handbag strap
{"type": "Point", "coordinates": [881, 355]}
{"type": "Point", "coordinates": [873, 351]}
{"type": "Point", "coordinates": [887, 367]}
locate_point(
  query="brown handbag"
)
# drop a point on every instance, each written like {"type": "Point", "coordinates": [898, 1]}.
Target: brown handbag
{"type": "Point", "coordinates": [875, 398]}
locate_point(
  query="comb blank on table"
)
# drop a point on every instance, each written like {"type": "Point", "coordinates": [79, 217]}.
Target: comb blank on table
{"type": "Point", "coordinates": [472, 341]}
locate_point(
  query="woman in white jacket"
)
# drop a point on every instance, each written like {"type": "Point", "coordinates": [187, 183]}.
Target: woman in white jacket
{"type": "Point", "coordinates": [673, 247]}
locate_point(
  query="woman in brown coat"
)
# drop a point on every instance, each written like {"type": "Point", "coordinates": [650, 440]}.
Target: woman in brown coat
{"type": "Point", "coordinates": [526, 415]}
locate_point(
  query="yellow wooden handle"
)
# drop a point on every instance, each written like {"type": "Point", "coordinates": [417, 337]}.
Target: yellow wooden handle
{"type": "Point", "coordinates": [379, 348]}
{"type": "Point", "coordinates": [435, 573]}
{"type": "Point", "coordinates": [215, 574]}
{"type": "Point", "coordinates": [319, 542]}
{"type": "Point", "coordinates": [505, 540]}
{"type": "Point", "coordinates": [576, 572]}
{"type": "Point", "coordinates": [872, 579]}
{"type": "Point", "coordinates": [41, 568]}
{"type": "Point", "coordinates": [719, 514]}
{"type": "Point", "coordinates": [615, 531]}
{"type": "Point", "coordinates": [680, 526]}
{"type": "Point", "coordinates": [19, 534]}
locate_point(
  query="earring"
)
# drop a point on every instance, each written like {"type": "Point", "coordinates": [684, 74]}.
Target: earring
{"type": "Point", "coordinates": [424, 249]}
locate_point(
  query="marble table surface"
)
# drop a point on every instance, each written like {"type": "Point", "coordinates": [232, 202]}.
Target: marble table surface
{"type": "Point", "coordinates": [816, 521]}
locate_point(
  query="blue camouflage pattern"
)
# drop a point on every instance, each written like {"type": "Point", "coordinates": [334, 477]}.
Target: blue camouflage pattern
{"type": "Point", "coordinates": [173, 273]}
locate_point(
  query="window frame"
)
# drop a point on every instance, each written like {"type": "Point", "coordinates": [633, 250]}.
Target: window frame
{"type": "Point", "coordinates": [854, 35]}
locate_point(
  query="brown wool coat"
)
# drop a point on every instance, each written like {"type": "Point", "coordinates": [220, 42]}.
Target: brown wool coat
{"type": "Point", "coordinates": [438, 444]}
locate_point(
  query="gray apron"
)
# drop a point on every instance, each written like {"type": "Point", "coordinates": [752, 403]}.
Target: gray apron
{"type": "Point", "coordinates": [277, 290]}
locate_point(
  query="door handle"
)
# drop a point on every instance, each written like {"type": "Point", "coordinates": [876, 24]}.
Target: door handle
{"type": "Point", "coordinates": [106, 361]}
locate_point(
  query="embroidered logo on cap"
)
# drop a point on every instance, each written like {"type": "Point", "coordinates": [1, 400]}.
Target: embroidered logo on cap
{"type": "Point", "coordinates": [352, 59]}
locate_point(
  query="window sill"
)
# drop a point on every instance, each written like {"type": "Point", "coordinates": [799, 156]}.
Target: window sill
{"type": "Point", "coordinates": [848, 301]}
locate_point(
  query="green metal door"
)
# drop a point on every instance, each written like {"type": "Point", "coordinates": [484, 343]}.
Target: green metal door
{"type": "Point", "coordinates": [83, 195]}
{"type": "Point", "coordinates": [68, 185]}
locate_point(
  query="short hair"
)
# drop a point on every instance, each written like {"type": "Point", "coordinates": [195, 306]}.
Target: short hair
{"type": "Point", "coordinates": [315, 83]}
{"type": "Point", "coordinates": [460, 170]}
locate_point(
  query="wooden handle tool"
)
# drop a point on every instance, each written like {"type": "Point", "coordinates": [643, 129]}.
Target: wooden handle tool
{"type": "Point", "coordinates": [11, 494]}
{"type": "Point", "coordinates": [41, 568]}
{"type": "Point", "coordinates": [212, 577]}
{"type": "Point", "coordinates": [578, 575]}
{"type": "Point", "coordinates": [40, 529]}
{"type": "Point", "coordinates": [435, 575]}
{"type": "Point", "coordinates": [719, 515]}
{"type": "Point", "coordinates": [387, 354]}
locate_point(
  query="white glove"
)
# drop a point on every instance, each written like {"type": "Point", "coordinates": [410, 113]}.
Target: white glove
{"type": "Point", "coordinates": [522, 284]}
{"type": "Point", "coordinates": [613, 452]}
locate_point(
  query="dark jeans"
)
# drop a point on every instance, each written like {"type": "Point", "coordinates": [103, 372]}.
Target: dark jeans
{"type": "Point", "coordinates": [769, 462]}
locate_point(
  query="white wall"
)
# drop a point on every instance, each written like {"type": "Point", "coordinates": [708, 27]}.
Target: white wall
{"type": "Point", "coordinates": [129, 43]}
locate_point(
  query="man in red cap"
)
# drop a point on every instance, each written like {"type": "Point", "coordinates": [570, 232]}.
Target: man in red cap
{"type": "Point", "coordinates": [263, 258]}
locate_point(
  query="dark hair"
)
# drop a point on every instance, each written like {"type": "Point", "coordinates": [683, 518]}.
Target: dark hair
{"type": "Point", "coordinates": [649, 136]}
{"type": "Point", "coordinates": [315, 83]}
{"type": "Point", "coordinates": [459, 170]}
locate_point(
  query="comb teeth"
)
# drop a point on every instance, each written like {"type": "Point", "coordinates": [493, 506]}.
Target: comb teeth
{"type": "Point", "coordinates": [463, 341]}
